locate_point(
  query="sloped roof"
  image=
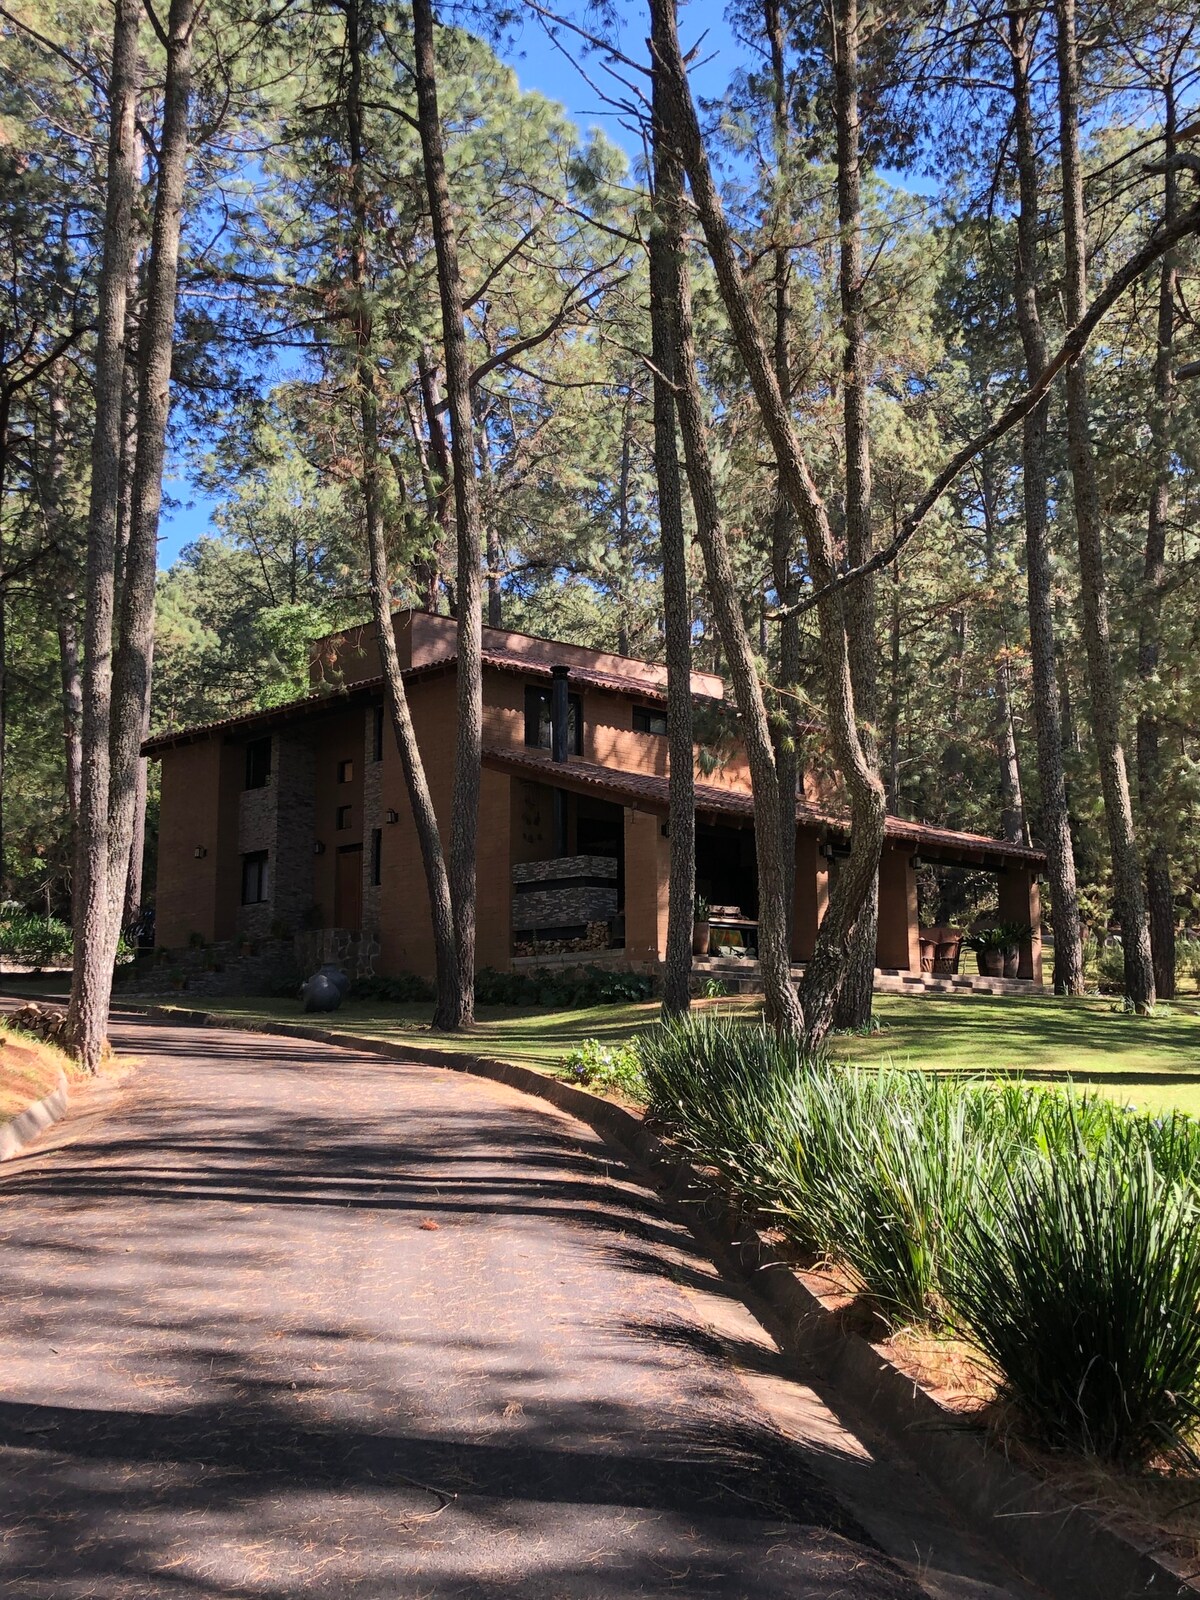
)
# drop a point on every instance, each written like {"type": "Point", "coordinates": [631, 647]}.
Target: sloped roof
{"type": "Point", "coordinates": [618, 784]}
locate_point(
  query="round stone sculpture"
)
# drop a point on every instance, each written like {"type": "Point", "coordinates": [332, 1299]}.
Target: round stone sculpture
{"type": "Point", "coordinates": [320, 993]}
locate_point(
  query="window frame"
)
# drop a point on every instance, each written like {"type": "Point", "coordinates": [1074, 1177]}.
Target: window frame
{"type": "Point", "coordinates": [377, 735]}
{"type": "Point", "coordinates": [257, 775]}
{"type": "Point", "coordinates": [376, 857]}
{"type": "Point", "coordinates": [345, 770]}
{"type": "Point", "coordinates": [343, 818]}
{"type": "Point", "coordinates": [534, 692]}
{"type": "Point", "coordinates": [256, 870]}
{"type": "Point", "coordinates": [649, 715]}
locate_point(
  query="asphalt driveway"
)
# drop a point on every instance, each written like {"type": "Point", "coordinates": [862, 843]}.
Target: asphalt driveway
{"type": "Point", "coordinates": [283, 1320]}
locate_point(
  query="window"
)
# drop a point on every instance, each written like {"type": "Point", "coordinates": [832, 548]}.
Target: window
{"type": "Point", "coordinates": [345, 772]}
{"type": "Point", "coordinates": [258, 763]}
{"type": "Point", "coordinates": [377, 738]}
{"type": "Point", "coordinates": [376, 855]}
{"type": "Point", "coordinates": [646, 719]}
{"type": "Point", "coordinates": [537, 720]}
{"type": "Point", "coordinates": [343, 817]}
{"type": "Point", "coordinates": [255, 878]}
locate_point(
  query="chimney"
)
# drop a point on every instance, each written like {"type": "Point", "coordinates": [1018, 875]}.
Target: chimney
{"type": "Point", "coordinates": [559, 749]}
{"type": "Point", "coordinates": [559, 713]}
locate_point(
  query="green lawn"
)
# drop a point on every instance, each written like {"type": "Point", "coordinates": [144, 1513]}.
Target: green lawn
{"type": "Point", "coordinates": [1146, 1061]}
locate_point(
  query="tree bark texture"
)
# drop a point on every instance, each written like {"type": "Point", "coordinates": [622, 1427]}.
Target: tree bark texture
{"type": "Point", "coordinates": [665, 239]}
{"type": "Point", "coordinates": [437, 882]}
{"type": "Point", "coordinates": [1055, 818]}
{"type": "Point", "coordinates": [468, 750]}
{"type": "Point", "coordinates": [91, 978]}
{"type": "Point", "coordinates": [1128, 900]}
{"type": "Point", "coordinates": [853, 1004]}
{"type": "Point", "coordinates": [864, 790]}
{"type": "Point", "coordinates": [1159, 898]}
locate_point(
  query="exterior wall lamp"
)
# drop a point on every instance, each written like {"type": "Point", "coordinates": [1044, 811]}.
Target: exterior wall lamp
{"type": "Point", "coordinates": [391, 816]}
{"type": "Point", "coordinates": [199, 852]}
{"type": "Point", "coordinates": [318, 847]}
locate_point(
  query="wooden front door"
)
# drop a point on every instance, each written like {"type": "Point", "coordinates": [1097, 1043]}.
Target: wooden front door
{"type": "Point", "coordinates": [347, 888]}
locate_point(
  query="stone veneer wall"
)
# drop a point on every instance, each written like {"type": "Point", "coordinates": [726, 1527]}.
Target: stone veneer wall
{"type": "Point", "coordinates": [280, 819]}
{"type": "Point", "coordinates": [372, 813]}
{"type": "Point", "coordinates": [562, 901]}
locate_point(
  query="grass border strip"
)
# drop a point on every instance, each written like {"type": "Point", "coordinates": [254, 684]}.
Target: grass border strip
{"type": "Point", "coordinates": [1049, 1540]}
{"type": "Point", "coordinates": [22, 1129]}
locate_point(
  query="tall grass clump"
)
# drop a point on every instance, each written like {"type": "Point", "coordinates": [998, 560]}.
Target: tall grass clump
{"type": "Point", "coordinates": [1080, 1280]}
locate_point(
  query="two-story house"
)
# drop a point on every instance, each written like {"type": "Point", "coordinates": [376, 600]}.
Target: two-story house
{"type": "Point", "coordinates": [298, 817]}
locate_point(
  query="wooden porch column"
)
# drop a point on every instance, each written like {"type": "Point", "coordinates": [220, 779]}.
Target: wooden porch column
{"type": "Point", "coordinates": [1021, 901]}
{"type": "Point", "coordinates": [811, 894]}
{"type": "Point", "coordinates": [897, 942]}
{"type": "Point", "coordinates": [647, 876]}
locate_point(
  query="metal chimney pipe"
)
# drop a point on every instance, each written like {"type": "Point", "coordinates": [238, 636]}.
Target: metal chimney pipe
{"type": "Point", "coordinates": [559, 714]}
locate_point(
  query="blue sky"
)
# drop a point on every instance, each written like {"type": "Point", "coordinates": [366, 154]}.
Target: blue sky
{"type": "Point", "coordinates": [539, 65]}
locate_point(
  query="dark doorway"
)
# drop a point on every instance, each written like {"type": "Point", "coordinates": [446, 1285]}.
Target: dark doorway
{"type": "Point", "coordinates": [347, 888]}
{"type": "Point", "coordinates": [726, 868]}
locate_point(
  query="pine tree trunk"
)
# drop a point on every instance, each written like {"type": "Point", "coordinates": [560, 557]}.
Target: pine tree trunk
{"type": "Point", "coordinates": [468, 750]}
{"type": "Point", "coordinates": [134, 657]}
{"type": "Point", "coordinates": [1159, 897]}
{"type": "Point", "coordinates": [1047, 703]}
{"type": "Point", "coordinates": [865, 792]}
{"type": "Point", "coordinates": [65, 599]}
{"type": "Point", "coordinates": [1012, 805]}
{"type": "Point", "coordinates": [91, 979]}
{"type": "Point", "coordinates": [853, 1007]}
{"type": "Point", "coordinates": [1128, 900]}
{"type": "Point", "coordinates": [447, 1009]}
{"type": "Point", "coordinates": [677, 620]}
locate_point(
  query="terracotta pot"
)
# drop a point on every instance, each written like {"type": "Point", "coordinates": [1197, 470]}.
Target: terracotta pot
{"type": "Point", "coordinates": [991, 963]}
{"type": "Point", "coordinates": [701, 933]}
{"type": "Point", "coordinates": [1012, 964]}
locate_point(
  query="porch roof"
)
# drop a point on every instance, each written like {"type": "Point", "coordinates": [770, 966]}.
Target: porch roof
{"type": "Point", "coordinates": [644, 788]}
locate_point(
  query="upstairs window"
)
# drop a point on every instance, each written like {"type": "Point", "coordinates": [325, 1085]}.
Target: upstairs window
{"type": "Point", "coordinates": [376, 856]}
{"type": "Point", "coordinates": [343, 817]}
{"type": "Point", "coordinates": [256, 882]}
{"type": "Point", "coordinates": [377, 737]}
{"type": "Point", "coordinates": [537, 720]}
{"type": "Point", "coordinates": [345, 772]}
{"type": "Point", "coordinates": [258, 763]}
{"type": "Point", "coordinates": [649, 719]}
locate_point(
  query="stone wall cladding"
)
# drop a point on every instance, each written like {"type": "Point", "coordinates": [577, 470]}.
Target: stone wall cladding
{"type": "Point", "coordinates": [293, 776]}
{"type": "Point", "coordinates": [564, 867]}
{"type": "Point", "coordinates": [356, 953]}
{"type": "Point", "coordinates": [256, 818]}
{"type": "Point", "coordinates": [563, 908]}
{"type": "Point", "coordinates": [372, 806]}
{"type": "Point", "coordinates": [227, 967]}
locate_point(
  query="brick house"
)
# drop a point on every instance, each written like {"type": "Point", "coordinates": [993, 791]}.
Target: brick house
{"type": "Point", "coordinates": [297, 818]}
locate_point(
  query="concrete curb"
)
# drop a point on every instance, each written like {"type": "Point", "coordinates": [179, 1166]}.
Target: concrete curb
{"type": "Point", "coordinates": [35, 1119]}
{"type": "Point", "coordinates": [1051, 1542]}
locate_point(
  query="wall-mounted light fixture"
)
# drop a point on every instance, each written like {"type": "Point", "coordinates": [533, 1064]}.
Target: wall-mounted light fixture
{"type": "Point", "coordinates": [199, 852]}
{"type": "Point", "coordinates": [915, 863]}
{"type": "Point", "coordinates": [318, 847]}
{"type": "Point", "coordinates": [391, 816]}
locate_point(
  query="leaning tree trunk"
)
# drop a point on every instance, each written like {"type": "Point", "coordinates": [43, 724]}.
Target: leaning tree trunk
{"type": "Point", "coordinates": [853, 1009]}
{"type": "Point", "coordinates": [134, 657]}
{"type": "Point", "coordinates": [1128, 900]}
{"type": "Point", "coordinates": [865, 792]}
{"type": "Point", "coordinates": [1159, 898]}
{"type": "Point", "coordinates": [91, 979]}
{"type": "Point", "coordinates": [1055, 817]}
{"type": "Point", "coordinates": [447, 1009]}
{"type": "Point", "coordinates": [468, 749]}
{"type": "Point", "coordinates": [681, 782]}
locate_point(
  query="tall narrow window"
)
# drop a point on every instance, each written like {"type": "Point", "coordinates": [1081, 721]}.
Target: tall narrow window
{"type": "Point", "coordinates": [376, 856]}
{"type": "Point", "coordinates": [345, 772]}
{"type": "Point", "coordinates": [343, 817]}
{"type": "Point", "coordinates": [255, 878]}
{"type": "Point", "coordinates": [258, 763]}
{"type": "Point", "coordinates": [377, 741]}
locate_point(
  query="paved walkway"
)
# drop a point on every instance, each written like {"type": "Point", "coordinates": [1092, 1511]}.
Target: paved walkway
{"type": "Point", "coordinates": [281, 1320]}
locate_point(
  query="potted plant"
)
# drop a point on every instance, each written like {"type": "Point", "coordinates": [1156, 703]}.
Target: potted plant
{"type": "Point", "coordinates": [701, 931]}
{"type": "Point", "coordinates": [1015, 934]}
{"type": "Point", "coordinates": [989, 945]}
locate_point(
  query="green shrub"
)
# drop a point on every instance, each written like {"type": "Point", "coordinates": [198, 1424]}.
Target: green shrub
{"type": "Point", "coordinates": [1080, 1280]}
{"type": "Point", "coordinates": [406, 988]}
{"type": "Point", "coordinates": [32, 940]}
{"type": "Point", "coordinates": [606, 1067]}
{"type": "Point", "coordinates": [1187, 958]}
{"type": "Point", "coordinates": [1110, 969]}
{"type": "Point", "coordinates": [589, 986]}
